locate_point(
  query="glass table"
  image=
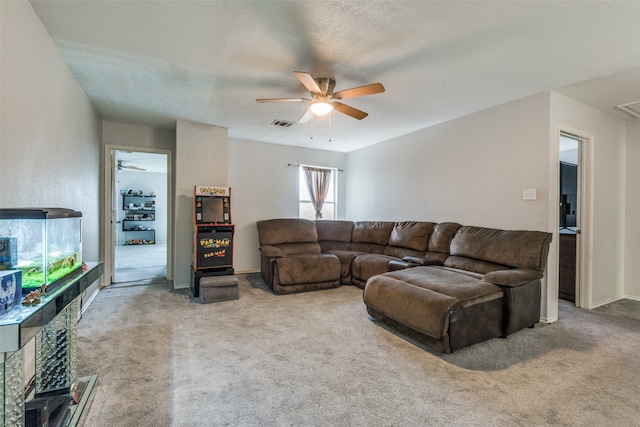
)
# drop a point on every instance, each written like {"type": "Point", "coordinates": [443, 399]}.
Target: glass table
{"type": "Point", "coordinates": [53, 323]}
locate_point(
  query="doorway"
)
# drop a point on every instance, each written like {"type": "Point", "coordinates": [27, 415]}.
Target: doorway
{"type": "Point", "coordinates": [140, 208]}
{"type": "Point", "coordinates": [569, 217]}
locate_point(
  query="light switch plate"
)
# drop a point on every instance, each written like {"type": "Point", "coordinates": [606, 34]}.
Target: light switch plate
{"type": "Point", "coordinates": [529, 194]}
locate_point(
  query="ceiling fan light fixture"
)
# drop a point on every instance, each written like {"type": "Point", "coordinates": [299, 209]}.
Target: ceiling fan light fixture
{"type": "Point", "coordinates": [321, 107]}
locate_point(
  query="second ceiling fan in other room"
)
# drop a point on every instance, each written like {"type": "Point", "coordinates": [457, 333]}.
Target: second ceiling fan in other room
{"type": "Point", "coordinates": [324, 99]}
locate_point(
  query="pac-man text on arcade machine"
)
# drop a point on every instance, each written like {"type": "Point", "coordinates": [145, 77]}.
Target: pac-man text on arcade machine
{"type": "Point", "coordinates": [214, 247]}
{"type": "Point", "coordinates": [211, 191]}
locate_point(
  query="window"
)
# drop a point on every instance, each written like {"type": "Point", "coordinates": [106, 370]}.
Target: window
{"type": "Point", "coordinates": [307, 210]}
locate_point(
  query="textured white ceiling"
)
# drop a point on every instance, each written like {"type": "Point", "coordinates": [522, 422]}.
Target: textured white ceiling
{"type": "Point", "coordinates": [155, 62]}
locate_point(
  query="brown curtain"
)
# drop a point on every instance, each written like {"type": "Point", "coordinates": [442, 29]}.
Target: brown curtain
{"type": "Point", "coordinates": [317, 180]}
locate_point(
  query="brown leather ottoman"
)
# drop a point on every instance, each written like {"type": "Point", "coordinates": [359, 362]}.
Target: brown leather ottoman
{"type": "Point", "coordinates": [218, 288]}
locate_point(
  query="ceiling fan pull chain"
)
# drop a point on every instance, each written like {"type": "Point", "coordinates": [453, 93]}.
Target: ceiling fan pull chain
{"type": "Point", "coordinates": [330, 129]}
{"type": "Point", "coordinates": [313, 120]}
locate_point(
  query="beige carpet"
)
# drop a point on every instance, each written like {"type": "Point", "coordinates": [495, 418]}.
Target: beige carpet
{"type": "Point", "coordinates": [317, 359]}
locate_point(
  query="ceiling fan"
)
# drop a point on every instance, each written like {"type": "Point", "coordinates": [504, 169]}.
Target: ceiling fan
{"type": "Point", "coordinates": [324, 99]}
{"type": "Point", "coordinates": [121, 166]}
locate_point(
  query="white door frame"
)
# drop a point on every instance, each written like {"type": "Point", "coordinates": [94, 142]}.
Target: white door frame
{"type": "Point", "coordinates": [584, 240]}
{"type": "Point", "coordinates": [109, 214]}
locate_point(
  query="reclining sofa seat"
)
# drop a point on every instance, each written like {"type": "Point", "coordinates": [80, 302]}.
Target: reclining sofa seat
{"type": "Point", "coordinates": [489, 286]}
{"type": "Point", "coordinates": [291, 258]}
{"type": "Point", "coordinates": [399, 239]}
{"type": "Point", "coordinates": [367, 237]}
{"type": "Point", "coordinates": [334, 236]}
{"type": "Point", "coordinates": [359, 245]}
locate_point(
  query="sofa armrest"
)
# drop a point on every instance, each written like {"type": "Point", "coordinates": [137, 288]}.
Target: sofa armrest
{"type": "Point", "coordinates": [512, 278]}
{"type": "Point", "coordinates": [271, 251]}
{"type": "Point", "coordinates": [421, 261]}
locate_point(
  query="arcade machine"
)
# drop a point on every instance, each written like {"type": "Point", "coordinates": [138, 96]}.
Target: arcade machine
{"type": "Point", "coordinates": [213, 238]}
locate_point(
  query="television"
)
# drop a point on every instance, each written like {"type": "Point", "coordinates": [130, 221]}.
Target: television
{"type": "Point", "coordinates": [213, 210]}
{"type": "Point", "coordinates": [211, 205]}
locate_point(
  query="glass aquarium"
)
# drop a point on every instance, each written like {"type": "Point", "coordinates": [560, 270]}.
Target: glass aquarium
{"type": "Point", "coordinates": [45, 244]}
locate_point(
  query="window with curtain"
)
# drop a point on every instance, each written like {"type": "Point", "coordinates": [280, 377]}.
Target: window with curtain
{"type": "Point", "coordinates": [318, 192]}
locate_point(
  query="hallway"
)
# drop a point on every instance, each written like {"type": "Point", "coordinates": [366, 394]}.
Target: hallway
{"type": "Point", "coordinates": [140, 262]}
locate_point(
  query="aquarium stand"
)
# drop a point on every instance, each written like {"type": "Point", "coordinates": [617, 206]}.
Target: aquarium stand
{"type": "Point", "coordinates": [53, 325]}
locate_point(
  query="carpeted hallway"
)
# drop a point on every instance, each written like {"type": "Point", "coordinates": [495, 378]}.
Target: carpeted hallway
{"type": "Point", "coordinates": [140, 262]}
{"type": "Point", "coordinates": [317, 359]}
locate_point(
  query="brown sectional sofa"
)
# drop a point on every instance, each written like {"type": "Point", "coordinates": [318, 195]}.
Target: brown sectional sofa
{"type": "Point", "coordinates": [444, 284]}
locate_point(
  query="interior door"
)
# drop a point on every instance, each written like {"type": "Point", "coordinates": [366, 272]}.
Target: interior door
{"type": "Point", "coordinates": [114, 218]}
{"type": "Point", "coordinates": [569, 218]}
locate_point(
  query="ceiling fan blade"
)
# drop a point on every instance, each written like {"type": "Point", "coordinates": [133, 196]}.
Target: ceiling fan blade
{"type": "Point", "coordinates": [360, 91]}
{"type": "Point", "coordinates": [122, 166]}
{"type": "Point", "coordinates": [306, 116]}
{"type": "Point", "coordinates": [349, 111]}
{"type": "Point", "coordinates": [308, 81]}
{"type": "Point", "coordinates": [135, 168]}
{"type": "Point", "coordinates": [282, 100]}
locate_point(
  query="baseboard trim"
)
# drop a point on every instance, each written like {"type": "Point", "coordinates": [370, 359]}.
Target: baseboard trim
{"type": "Point", "coordinates": [607, 301]}
{"type": "Point", "coordinates": [86, 305]}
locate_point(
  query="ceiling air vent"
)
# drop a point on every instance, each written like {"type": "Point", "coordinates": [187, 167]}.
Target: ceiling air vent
{"type": "Point", "coordinates": [282, 123]}
{"type": "Point", "coordinates": [632, 108]}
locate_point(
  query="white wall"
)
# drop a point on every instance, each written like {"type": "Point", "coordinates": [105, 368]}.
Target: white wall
{"type": "Point", "coordinates": [263, 187]}
{"type": "Point", "coordinates": [471, 170]}
{"type": "Point", "coordinates": [201, 159]}
{"type": "Point", "coordinates": [50, 132]}
{"type": "Point", "coordinates": [632, 208]}
{"type": "Point", "coordinates": [138, 136]}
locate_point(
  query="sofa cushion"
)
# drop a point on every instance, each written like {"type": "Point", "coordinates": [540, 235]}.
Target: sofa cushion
{"type": "Point", "coordinates": [411, 235]}
{"type": "Point", "coordinates": [524, 249]}
{"type": "Point", "coordinates": [334, 234]}
{"type": "Point", "coordinates": [466, 288]}
{"type": "Point", "coordinates": [366, 265]}
{"type": "Point", "coordinates": [422, 298]}
{"type": "Point", "coordinates": [371, 236]}
{"type": "Point", "coordinates": [338, 231]}
{"type": "Point", "coordinates": [287, 230]}
{"type": "Point", "coordinates": [299, 248]}
{"type": "Point", "coordinates": [307, 268]}
{"type": "Point", "coordinates": [418, 308]}
{"type": "Point", "coordinates": [440, 238]}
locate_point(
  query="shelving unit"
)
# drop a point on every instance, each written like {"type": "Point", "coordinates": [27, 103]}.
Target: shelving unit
{"type": "Point", "coordinates": [140, 214]}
